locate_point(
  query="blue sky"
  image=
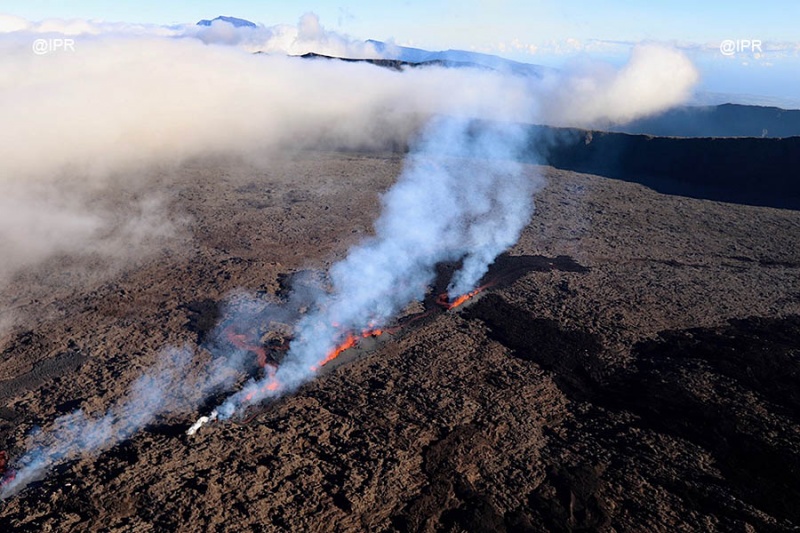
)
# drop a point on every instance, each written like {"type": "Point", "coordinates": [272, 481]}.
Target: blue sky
{"type": "Point", "coordinates": [461, 23]}
{"type": "Point", "coordinates": [537, 31]}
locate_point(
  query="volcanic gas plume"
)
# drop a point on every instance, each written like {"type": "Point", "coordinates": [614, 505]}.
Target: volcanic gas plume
{"type": "Point", "coordinates": [463, 195]}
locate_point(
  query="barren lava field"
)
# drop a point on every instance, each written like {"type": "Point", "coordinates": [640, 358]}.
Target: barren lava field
{"type": "Point", "coordinates": [639, 371]}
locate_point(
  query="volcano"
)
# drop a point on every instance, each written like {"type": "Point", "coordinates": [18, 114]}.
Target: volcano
{"type": "Point", "coordinates": [630, 364]}
{"type": "Point", "coordinates": [235, 22]}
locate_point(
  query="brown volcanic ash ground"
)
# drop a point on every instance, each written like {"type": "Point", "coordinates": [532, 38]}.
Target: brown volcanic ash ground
{"type": "Point", "coordinates": [654, 389]}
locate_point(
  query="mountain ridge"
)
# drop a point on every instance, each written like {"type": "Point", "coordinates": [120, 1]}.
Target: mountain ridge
{"type": "Point", "coordinates": [236, 22]}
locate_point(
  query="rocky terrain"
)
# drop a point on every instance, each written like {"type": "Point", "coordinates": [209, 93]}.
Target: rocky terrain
{"type": "Point", "coordinates": [726, 120]}
{"type": "Point", "coordinates": [748, 170]}
{"type": "Point", "coordinates": [635, 367]}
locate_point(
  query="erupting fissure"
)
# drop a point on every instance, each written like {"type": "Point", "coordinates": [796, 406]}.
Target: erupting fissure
{"type": "Point", "coordinates": [463, 197]}
{"type": "Point", "coordinates": [349, 341]}
{"type": "Point", "coordinates": [444, 298]}
{"type": "Point", "coordinates": [270, 383]}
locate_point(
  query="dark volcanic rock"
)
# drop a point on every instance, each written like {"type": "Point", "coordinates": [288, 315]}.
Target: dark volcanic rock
{"type": "Point", "coordinates": [395, 64]}
{"type": "Point", "coordinates": [752, 171]}
{"type": "Point", "coordinates": [570, 355]}
{"type": "Point", "coordinates": [733, 391]}
{"type": "Point", "coordinates": [607, 380]}
{"type": "Point", "coordinates": [726, 120]}
{"type": "Point", "coordinates": [203, 317]}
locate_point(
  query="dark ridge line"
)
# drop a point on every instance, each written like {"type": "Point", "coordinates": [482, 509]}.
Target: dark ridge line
{"type": "Point", "coordinates": [396, 64]}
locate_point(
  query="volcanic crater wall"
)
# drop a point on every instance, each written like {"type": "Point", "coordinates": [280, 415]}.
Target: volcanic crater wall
{"type": "Point", "coordinates": [751, 171]}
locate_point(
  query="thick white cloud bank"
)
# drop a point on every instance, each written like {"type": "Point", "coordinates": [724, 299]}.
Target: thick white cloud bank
{"type": "Point", "coordinates": [654, 79]}
{"type": "Point", "coordinates": [124, 97]}
{"type": "Point", "coordinates": [73, 120]}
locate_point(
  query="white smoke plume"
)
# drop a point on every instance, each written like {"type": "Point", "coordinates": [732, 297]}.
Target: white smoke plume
{"type": "Point", "coordinates": [77, 434]}
{"type": "Point", "coordinates": [178, 383]}
{"type": "Point", "coordinates": [174, 385]}
{"type": "Point", "coordinates": [74, 122]}
{"type": "Point", "coordinates": [462, 196]}
{"type": "Point", "coordinates": [80, 126]}
{"type": "Point", "coordinates": [128, 99]}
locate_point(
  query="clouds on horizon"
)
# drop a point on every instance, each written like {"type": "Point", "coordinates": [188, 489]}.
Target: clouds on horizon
{"type": "Point", "coordinates": [308, 35]}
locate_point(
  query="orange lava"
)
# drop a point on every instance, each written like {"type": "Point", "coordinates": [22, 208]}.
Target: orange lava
{"type": "Point", "coordinates": [349, 341]}
{"type": "Point", "coordinates": [6, 474]}
{"type": "Point", "coordinates": [346, 344]}
{"type": "Point", "coordinates": [272, 384]}
{"type": "Point", "coordinates": [444, 298]}
{"type": "Point", "coordinates": [241, 341]}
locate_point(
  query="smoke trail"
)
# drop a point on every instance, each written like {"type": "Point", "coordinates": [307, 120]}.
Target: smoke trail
{"type": "Point", "coordinates": [131, 98]}
{"type": "Point", "coordinates": [74, 434]}
{"type": "Point", "coordinates": [178, 383]}
{"type": "Point", "coordinates": [172, 386]}
{"type": "Point", "coordinates": [462, 195]}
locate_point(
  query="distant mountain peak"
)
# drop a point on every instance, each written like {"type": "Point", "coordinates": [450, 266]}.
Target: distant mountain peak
{"type": "Point", "coordinates": [455, 58]}
{"type": "Point", "coordinates": [239, 23]}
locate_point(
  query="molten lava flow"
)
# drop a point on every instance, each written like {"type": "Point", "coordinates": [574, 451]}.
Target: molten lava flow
{"type": "Point", "coordinates": [349, 341]}
{"type": "Point", "coordinates": [444, 298]}
{"type": "Point", "coordinates": [367, 333]}
{"type": "Point", "coordinates": [271, 383]}
{"type": "Point", "coordinates": [7, 475]}
{"type": "Point", "coordinates": [346, 344]}
{"type": "Point", "coordinates": [241, 341]}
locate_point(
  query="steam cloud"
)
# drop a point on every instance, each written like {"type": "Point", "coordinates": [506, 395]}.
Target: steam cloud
{"type": "Point", "coordinates": [462, 195]}
{"type": "Point", "coordinates": [130, 98]}
{"type": "Point", "coordinates": [586, 95]}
